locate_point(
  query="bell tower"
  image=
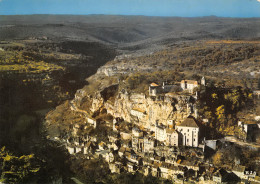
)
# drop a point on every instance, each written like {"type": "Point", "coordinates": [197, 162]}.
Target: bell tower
{"type": "Point", "coordinates": [203, 81]}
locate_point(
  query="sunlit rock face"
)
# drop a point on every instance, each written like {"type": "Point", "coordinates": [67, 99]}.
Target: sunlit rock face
{"type": "Point", "coordinates": [139, 109]}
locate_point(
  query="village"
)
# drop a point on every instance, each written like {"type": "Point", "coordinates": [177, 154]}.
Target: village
{"type": "Point", "coordinates": [171, 148]}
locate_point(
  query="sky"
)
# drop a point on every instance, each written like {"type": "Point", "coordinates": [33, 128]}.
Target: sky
{"type": "Point", "coordinates": [181, 8]}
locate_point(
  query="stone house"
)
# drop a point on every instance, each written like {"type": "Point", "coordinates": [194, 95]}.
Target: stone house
{"type": "Point", "coordinates": [93, 138]}
{"type": "Point", "coordinates": [189, 85]}
{"type": "Point", "coordinates": [128, 155]}
{"type": "Point", "coordinates": [149, 144]}
{"type": "Point", "coordinates": [170, 160]}
{"type": "Point", "coordinates": [71, 149]}
{"type": "Point", "coordinates": [137, 139]}
{"type": "Point", "coordinates": [239, 170]}
{"type": "Point", "coordinates": [136, 132]}
{"type": "Point", "coordinates": [131, 167]}
{"type": "Point", "coordinates": [221, 175]}
{"type": "Point", "coordinates": [134, 158]}
{"type": "Point", "coordinates": [135, 143]}
{"type": "Point", "coordinates": [110, 157]}
{"type": "Point", "coordinates": [159, 159]}
{"type": "Point", "coordinates": [166, 88]}
{"type": "Point", "coordinates": [116, 167]}
{"type": "Point", "coordinates": [217, 177]}
{"type": "Point", "coordinates": [174, 170]}
{"type": "Point", "coordinates": [113, 137]}
{"type": "Point", "coordinates": [147, 170]}
{"type": "Point", "coordinates": [154, 89]}
{"type": "Point", "coordinates": [78, 149]}
{"type": "Point", "coordinates": [126, 135]}
{"type": "Point", "coordinates": [138, 143]}
{"type": "Point", "coordinates": [126, 143]}
{"type": "Point", "coordinates": [156, 171]}
{"type": "Point", "coordinates": [89, 148]}
{"type": "Point", "coordinates": [123, 150]}
{"type": "Point", "coordinates": [160, 132]}
{"type": "Point", "coordinates": [147, 162]}
{"type": "Point", "coordinates": [165, 171]}
{"type": "Point", "coordinates": [189, 131]}
{"type": "Point", "coordinates": [112, 146]}
{"type": "Point", "coordinates": [102, 153]}
{"type": "Point", "coordinates": [92, 122]}
{"type": "Point", "coordinates": [102, 145]}
{"type": "Point", "coordinates": [172, 137]}
{"type": "Point", "coordinates": [190, 165]}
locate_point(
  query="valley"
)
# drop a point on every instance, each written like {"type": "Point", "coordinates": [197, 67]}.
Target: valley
{"type": "Point", "coordinates": [95, 98]}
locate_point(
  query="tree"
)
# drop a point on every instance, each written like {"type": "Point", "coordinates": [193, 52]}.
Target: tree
{"type": "Point", "coordinates": [15, 169]}
{"type": "Point", "coordinates": [235, 98]}
{"type": "Point", "coordinates": [214, 95]}
{"type": "Point", "coordinates": [220, 112]}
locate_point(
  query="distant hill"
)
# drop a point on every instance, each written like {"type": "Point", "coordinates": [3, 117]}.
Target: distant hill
{"type": "Point", "coordinates": [128, 33]}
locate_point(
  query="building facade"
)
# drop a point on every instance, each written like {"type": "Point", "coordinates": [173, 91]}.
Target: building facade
{"type": "Point", "coordinates": [189, 131]}
{"type": "Point", "coordinates": [189, 85]}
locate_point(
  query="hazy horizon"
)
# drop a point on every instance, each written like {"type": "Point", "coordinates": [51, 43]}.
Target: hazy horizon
{"type": "Point", "coordinates": [159, 16]}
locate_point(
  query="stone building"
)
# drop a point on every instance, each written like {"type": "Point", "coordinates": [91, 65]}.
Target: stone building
{"type": "Point", "coordinates": [137, 139]}
{"type": "Point", "coordinates": [172, 137]}
{"type": "Point", "coordinates": [154, 89]}
{"type": "Point", "coordinates": [160, 132]}
{"type": "Point", "coordinates": [149, 144]}
{"type": "Point", "coordinates": [189, 85]}
{"type": "Point", "coordinates": [189, 131]}
{"type": "Point", "coordinates": [92, 122]}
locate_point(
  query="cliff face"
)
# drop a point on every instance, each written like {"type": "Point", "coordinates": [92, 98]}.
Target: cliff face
{"type": "Point", "coordinates": [103, 97]}
{"type": "Point", "coordinates": [145, 111]}
{"type": "Point", "coordinates": [136, 108]}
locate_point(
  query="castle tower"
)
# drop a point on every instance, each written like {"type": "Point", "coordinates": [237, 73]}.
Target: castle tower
{"type": "Point", "coordinates": [203, 81]}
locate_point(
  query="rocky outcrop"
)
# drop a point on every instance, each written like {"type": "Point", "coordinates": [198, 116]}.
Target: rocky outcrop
{"type": "Point", "coordinates": [138, 108]}
{"type": "Point", "coordinates": [145, 111]}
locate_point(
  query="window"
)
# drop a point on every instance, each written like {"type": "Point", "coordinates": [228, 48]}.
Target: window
{"type": "Point", "coordinates": [188, 130]}
{"type": "Point", "coordinates": [194, 139]}
{"type": "Point", "coordinates": [187, 140]}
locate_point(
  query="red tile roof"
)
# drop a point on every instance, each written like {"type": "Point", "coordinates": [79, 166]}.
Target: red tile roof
{"type": "Point", "coordinates": [154, 84]}
{"type": "Point", "coordinates": [190, 82]}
